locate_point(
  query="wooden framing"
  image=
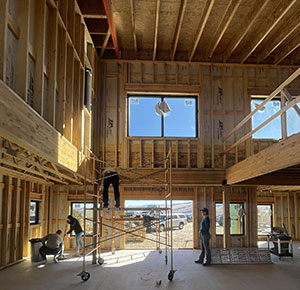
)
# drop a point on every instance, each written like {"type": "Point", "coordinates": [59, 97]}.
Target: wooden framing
{"type": "Point", "coordinates": [178, 28]}
{"type": "Point", "coordinates": [226, 217]}
{"type": "Point", "coordinates": [156, 29]}
{"type": "Point", "coordinates": [229, 13]}
{"type": "Point", "coordinates": [204, 17]}
{"type": "Point", "coordinates": [133, 27]}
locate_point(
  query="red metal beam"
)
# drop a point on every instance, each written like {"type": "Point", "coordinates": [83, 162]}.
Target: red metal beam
{"type": "Point", "coordinates": [111, 27]}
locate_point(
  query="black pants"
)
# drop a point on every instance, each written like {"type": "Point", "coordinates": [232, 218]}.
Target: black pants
{"type": "Point", "coordinates": [44, 250]}
{"type": "Point", "coordinates": [205, 249]}
{"type": "Point", "coordinates": [114, 179]}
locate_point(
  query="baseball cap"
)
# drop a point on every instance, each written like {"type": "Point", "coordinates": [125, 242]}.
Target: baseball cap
{"type": "Point", "coordinates": [204, 210]}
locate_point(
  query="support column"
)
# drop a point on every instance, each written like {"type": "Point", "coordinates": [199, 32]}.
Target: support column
{"type": "Point", "coordinates": [226, 216]}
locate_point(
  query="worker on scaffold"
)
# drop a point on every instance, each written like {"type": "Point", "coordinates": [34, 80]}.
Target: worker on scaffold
{"type": "Point", "coordinates": [110, 176]}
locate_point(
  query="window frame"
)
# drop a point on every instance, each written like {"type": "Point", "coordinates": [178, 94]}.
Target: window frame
{"type": "Point", "coordinates": [162, 97]}
{"type": "Point", "coordinates": [80, 202]}
{"type": "Point", "coordinates": [37, 213]}
{"type": "Point", "coordinates": [271, 217]}
{"type": "Point", "coordinates": [243, 223]}
{"type": "Point", "coordinates": [262, 98]}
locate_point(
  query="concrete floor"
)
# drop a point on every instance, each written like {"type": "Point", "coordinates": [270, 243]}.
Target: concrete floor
{"type": "Point", "coordinates": [139, 270]}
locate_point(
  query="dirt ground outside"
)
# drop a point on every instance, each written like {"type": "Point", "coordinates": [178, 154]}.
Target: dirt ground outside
{"type": "Point", "coordinates": [181, 239]}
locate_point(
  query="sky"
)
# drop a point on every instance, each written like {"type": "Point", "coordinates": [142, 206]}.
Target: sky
{"type": "Point", "coordinates": [273, 129]}
{"type": "Point", "coordinates": [179, 122]}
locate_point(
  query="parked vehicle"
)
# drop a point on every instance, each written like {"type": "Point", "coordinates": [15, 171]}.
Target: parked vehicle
{"type": "Point", "coordinates": [178, 221]}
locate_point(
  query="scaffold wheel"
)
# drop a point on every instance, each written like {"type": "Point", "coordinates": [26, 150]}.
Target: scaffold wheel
{"type": "Point", "coordinates": [85, 276]}
{"type": "Point", "coordinates": [100, 261]}
{"type": "Point", "coordinates": [171, 275]}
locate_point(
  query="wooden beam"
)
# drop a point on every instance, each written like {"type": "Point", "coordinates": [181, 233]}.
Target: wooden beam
{"type": "Point", "coordinates": [289, 98]}
{"type": "Point", "coordinates": [204, 17]}
{"type": "Point", "coordinates": [5, 207]}
{"type": "Point", "coordinates": [111, 27]}
{"type": "Point", "coordinates": [245, 27]}
{"type": "Point", "coordinates": [52, 54]}
{"type": "Point", "coordinates": [156, 28]}
{"type": "Point", "coordinates": [131, 87]}
{"type": "Point", "coordinates": [291, 46]}
{"type": "Point", "coordinates": [283, 118]}
{"type": "Point", "coordinates": [133, 27]}
{"type": "Point", "coordinates": [178, 28]}
{"type": "Point", "coordinates": [22, 50]}
{"type": "Point", "coordinates": [265, 29]}
{"type": "Point", "coordinates": [27, 218]}
{"type": "Point", "coordinates": [226, 217]}
{"type": "Point", "coordinates": [13, 242]}
{"type": "Point", "coordinates": [296, 220]}
{"type": "Point", "coordinates": [22, 219]}
{"type": "Point", "coordinates": [40, 56]}
{"type": "Point", "coordinates": [281, 155]}
{"type": "Point", "coordinates": [287, 30]}
{"type": "Point", "coordinates": [105, 42]}
{"type": "Point", "coordinates": [3, 37]}
{"type": "Point", "coordinates": [228, 15]}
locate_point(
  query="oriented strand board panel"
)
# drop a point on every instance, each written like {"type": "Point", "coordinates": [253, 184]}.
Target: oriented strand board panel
{"type": "Point", "coordinates": [22, 125]}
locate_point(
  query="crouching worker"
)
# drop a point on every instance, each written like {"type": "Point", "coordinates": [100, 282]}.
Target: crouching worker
{"type": "Point", "coordinates": [52, 245]}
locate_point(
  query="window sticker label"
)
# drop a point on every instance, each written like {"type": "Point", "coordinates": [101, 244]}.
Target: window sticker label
{"type": "Point", "coordinates": [134, 101]}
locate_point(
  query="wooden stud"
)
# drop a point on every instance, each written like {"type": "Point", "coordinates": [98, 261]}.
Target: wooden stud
{"type": "Point", "coordinates": [133, 27]}
{"type": "Point", "coordinates": [281, 210]}
{"type": "Point", "coordinates": [13, 245]}
{"type": "Point", "coordinates": [22, 50]}
{"type": "Point", "coordinates": [40, 55]}
{"type": "Point", "coordinates": [61, 80]}
{"type": "Point", "coordinates": [3, 37]}
{"type": "Point", "coordinates": [5, 201]}
{"type": "Point", "coordinates": [212, 135]}
{"type": "Point", "coordinates": [226, 217]}
{"type": "Point", "coordinates": [289, 213]}
{"type": "Point", "coordinates": [283, 119]}
{"type": "Point", "coordinates": [52, 54]}
{"type": "Point", "coordinates": [27, 218]}
{"type": "Point", "coordinates": [296, 219]}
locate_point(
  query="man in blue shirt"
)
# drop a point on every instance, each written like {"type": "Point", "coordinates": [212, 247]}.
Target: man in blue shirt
{"type": "Point", "coordinates": [204, 237]}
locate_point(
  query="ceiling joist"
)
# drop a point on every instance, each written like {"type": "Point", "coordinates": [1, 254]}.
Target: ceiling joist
{"type": "Point", "coordinates": [133, 27]}
{"type": "Point", "coordinates": [156, 28]}
{"type": "Point", "coordinates": [105, 43]}
{"type": "Point", "coordinates": [178, 28]}
{"type": "Point", "coordinates": [231, 9]}
{"type": "Point", "coordinates": [265, 29]}
{"type": "Point", "coordinates": [282, 35]}
{"type": "Point", "coordinates": [288, 49]}
{"type": "Point", "coordinates": [203, 20]}
{"type": "Point", "coordinates": [245, 27]}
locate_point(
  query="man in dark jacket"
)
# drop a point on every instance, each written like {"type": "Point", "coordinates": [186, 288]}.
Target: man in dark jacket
{"type": "Point", "coordinates": [110, 176]}
{"type": "Point", "coordinates": [75, 226]}
{"type": "Point", "coordinates": [205, 237]}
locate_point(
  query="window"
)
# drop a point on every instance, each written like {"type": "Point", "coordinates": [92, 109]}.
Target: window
{"type": "Point", "coordinates": [273, 129]}
{"type": "Point", "coordinates": [264, 219]}
{"type": "Point", "coordinates": [292, 121]}
{"type": "Point", "coordinates": [145, 120]}
{"type": "Point", "coordinates": [34, 212]}
{"type": "Point", "coordinates": [236, 219]}
{"type": "Point", "coordinates": [77, 211]}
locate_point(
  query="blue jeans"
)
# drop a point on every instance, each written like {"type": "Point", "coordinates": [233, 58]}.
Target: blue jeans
{"type": "Point", "coordinates": [79, 241]}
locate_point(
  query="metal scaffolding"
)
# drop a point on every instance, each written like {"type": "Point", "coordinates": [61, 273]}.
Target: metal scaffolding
{"type": "Point", "coordinates": [102, 217]}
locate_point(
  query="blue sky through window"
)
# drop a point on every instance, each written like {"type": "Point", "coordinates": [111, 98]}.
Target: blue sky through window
{"type": "Point", "coordinates": [273, 129]}
{"type": "Point", "coordinates": [143, 120]}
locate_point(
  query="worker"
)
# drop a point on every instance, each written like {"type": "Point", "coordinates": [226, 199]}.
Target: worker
{"type": "Point", "coordinates": [52, 245]}
{"type": "Point", "coordinates": [76, 227]}
{"type": "Point", "coordinates": [204, 237]}
{"type": "Point", "coordinates": [110, 176]}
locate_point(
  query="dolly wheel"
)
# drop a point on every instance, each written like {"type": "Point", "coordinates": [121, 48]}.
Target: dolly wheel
{"type": "Point", "coordinates": [85, 276]}
{"type": "Point", "coordinates": [100, 261]}
{"type": "Point", "coordinates": [171, 275]}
